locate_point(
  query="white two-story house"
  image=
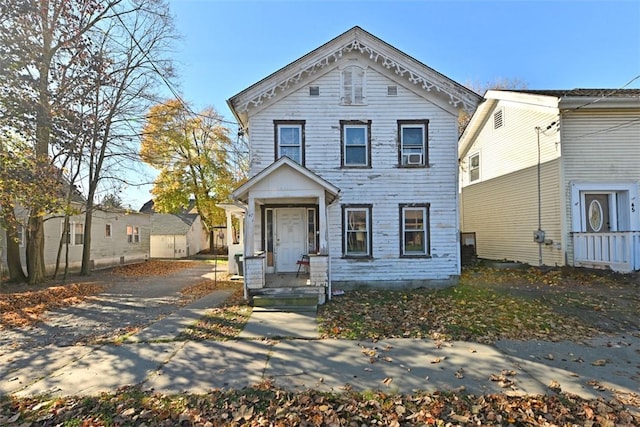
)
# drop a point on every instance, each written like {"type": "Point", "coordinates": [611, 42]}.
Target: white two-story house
{"type": "Point", "coordinates": [353, 163]}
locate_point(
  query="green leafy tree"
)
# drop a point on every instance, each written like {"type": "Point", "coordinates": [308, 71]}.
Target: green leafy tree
{"type": "Point", "coordinates": [192, 152]}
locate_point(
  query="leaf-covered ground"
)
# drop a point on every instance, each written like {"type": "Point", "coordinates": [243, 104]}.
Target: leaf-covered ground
{"type": "Point", "coordinates": [265, 405]}
{"type": "Point", "coordinates": [21, 309]}
{"type": "Point", "coordinates": [490, 304]}
{"type": "Point", "coordinates": [23, 305]}
{"type": "Point", "coordinates": [152, 268]}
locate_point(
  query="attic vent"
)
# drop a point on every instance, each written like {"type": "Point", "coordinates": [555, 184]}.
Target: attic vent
{"type": "Point", "coordinates": [392, 90]}
{"type": "Point", "coordinates": [314, 90]}
{"type": "Point", "coordinates": [498, 119]}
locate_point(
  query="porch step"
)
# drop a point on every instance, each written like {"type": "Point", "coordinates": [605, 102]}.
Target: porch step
{"type": "Point", "coordinates": [287, 301]}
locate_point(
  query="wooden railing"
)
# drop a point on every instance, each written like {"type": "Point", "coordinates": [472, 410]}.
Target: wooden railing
{"type": "Point", "coordinates": [619, 251]}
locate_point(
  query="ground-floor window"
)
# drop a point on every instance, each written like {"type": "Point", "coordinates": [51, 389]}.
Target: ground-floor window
{"type": "Point", "coordinates": [73, 233]}
{"type": "Point", "coordinates": [133, 234]}
{"type": "Point", "coordinates": [414, 230]}
{"type": "Point", "coordinates": [357, 230]}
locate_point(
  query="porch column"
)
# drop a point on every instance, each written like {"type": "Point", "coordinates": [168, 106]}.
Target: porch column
{"type": "Point", "coordinates": [322, 226]}
{"type": "Point", "coordinates": [229, 234]}
{"type": "Point", "coordinates": [249, 240]}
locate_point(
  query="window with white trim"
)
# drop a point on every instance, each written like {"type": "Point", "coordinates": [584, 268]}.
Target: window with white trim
{"type": "Point", "coordinates": [133, 234]}
{"type": "Point", "coordinates": [73, 234]}
{"type": "Point", "coordinates": [353, 85]}
{"type": "Point", "coordinates": [414, 233]}
{"type": "Point", "coordinates": [357, 230]}
{"type": "Point", "coordinates": [78, 233]}
{"type": "Point", "coordinates": [474, 167]}
{"type": "Point", "coordinates": [289, 140]}
{"type": "Point", "coordinates": [412, 135]}
{"type": "Point", "coordinates": [356, 143]}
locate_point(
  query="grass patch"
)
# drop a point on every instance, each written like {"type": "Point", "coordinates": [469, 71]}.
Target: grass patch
{"type": "Point", "coordinates": [474, 310]}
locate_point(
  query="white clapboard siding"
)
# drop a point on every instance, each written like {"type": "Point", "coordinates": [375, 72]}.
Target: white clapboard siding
{"type": "Point", "coordinates": [384, 185]}
{"type": "Point", "coordinates": [601, 147]}
{"type": "Point", "coordinates": [503, 212]}
{"type": "Point", "coordinates": [513, 146]}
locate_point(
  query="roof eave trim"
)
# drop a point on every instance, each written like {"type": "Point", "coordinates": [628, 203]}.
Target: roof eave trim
{"type": "Point", "coordinates": [354, 40]}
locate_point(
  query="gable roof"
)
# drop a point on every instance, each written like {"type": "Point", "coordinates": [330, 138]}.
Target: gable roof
{"type": "Point", "coordinates": [241, 192]}
{"type": "Point", "coordinates": [149, 207]}
{"type": "Point", "coordinates": [354, 40]}
{"type": "Point", "coordinates": [172, 223]}
{"type": "Point", "coordinates": [563, 100]}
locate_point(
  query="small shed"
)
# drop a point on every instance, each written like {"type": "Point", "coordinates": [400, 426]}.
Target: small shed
{"type": "Point", "coordinates": [177, 235]}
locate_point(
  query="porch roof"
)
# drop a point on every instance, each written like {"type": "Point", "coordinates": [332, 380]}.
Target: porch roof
{"type": "Point", "coordinates": [242, 193]}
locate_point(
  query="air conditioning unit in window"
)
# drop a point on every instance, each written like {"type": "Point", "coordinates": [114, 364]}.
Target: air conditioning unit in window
{"type": "Point", "coordinates": [414, 159]}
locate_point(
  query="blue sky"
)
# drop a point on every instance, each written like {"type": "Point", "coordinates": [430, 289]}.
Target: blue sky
{"type": "Point", "coordinates": [226, 46]}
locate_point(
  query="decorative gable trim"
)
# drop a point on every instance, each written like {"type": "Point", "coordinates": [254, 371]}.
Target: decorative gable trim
{"type": "Point", "coordinates": [359, 41]}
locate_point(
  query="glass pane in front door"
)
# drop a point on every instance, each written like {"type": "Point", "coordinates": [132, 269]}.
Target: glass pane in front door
{"type": "Point", "coordinates": [596, 213]}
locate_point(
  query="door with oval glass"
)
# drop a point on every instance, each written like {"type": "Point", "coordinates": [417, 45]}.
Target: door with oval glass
{"type": "Point", "coordinates": [596, 211]}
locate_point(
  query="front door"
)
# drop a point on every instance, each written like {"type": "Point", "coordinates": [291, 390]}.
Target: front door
{"type": "Point", "coordinates": [290, 238]}
{"type": "Point", "coordinates": [596, 213]}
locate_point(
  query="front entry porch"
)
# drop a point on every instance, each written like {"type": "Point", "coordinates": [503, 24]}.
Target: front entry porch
{"type": "Point", "coordinates": [285, 220]}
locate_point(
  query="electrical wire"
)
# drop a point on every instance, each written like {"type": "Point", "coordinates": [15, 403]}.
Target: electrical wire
{"type": "Point", "coordinates": [173, 91]}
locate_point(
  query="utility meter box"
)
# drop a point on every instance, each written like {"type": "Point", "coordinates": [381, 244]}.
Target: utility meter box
{"type": "Point", "coordinates": [538, 236]}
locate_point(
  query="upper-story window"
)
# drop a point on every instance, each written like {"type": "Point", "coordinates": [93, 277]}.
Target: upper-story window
{"type": "Point", "coordinates": [353, 85]}
{"type": "Point", "coordinates": [356, 143]}
{"type": "Point", "coordinates": [474, 167]}
{"type": "Point", "coordinates": [412, 135]}
{"type": "Point", "coordinates": [289, 139]}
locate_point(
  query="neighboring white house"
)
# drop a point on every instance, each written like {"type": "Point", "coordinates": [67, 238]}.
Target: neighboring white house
{"type": "Point", "coordinates": [177, 235]}
{"type": "Point", "coordinates": [118, 237]}
{"type": "Point", "coordinates": [552, 177]}
{"type": "Point", "coordinates": [353, 160]}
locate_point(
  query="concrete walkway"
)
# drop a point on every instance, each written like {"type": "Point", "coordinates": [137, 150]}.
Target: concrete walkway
{"type": "Point", "coordinates": [152, 360]}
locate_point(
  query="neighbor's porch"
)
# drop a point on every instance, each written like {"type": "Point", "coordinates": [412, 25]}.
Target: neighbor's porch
{"type": "Point", "coordinates": [619, 251]}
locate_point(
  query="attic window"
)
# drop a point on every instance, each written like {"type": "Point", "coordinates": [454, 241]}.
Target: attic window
{"type": "Point", "coordinates": [314, 90]}
{"type": "Point", "coordinates": [392, 90]}
{"type": "Point", "coordinates": [498, 119]}
{"type": "Point", "coordinates": [353, 85]}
